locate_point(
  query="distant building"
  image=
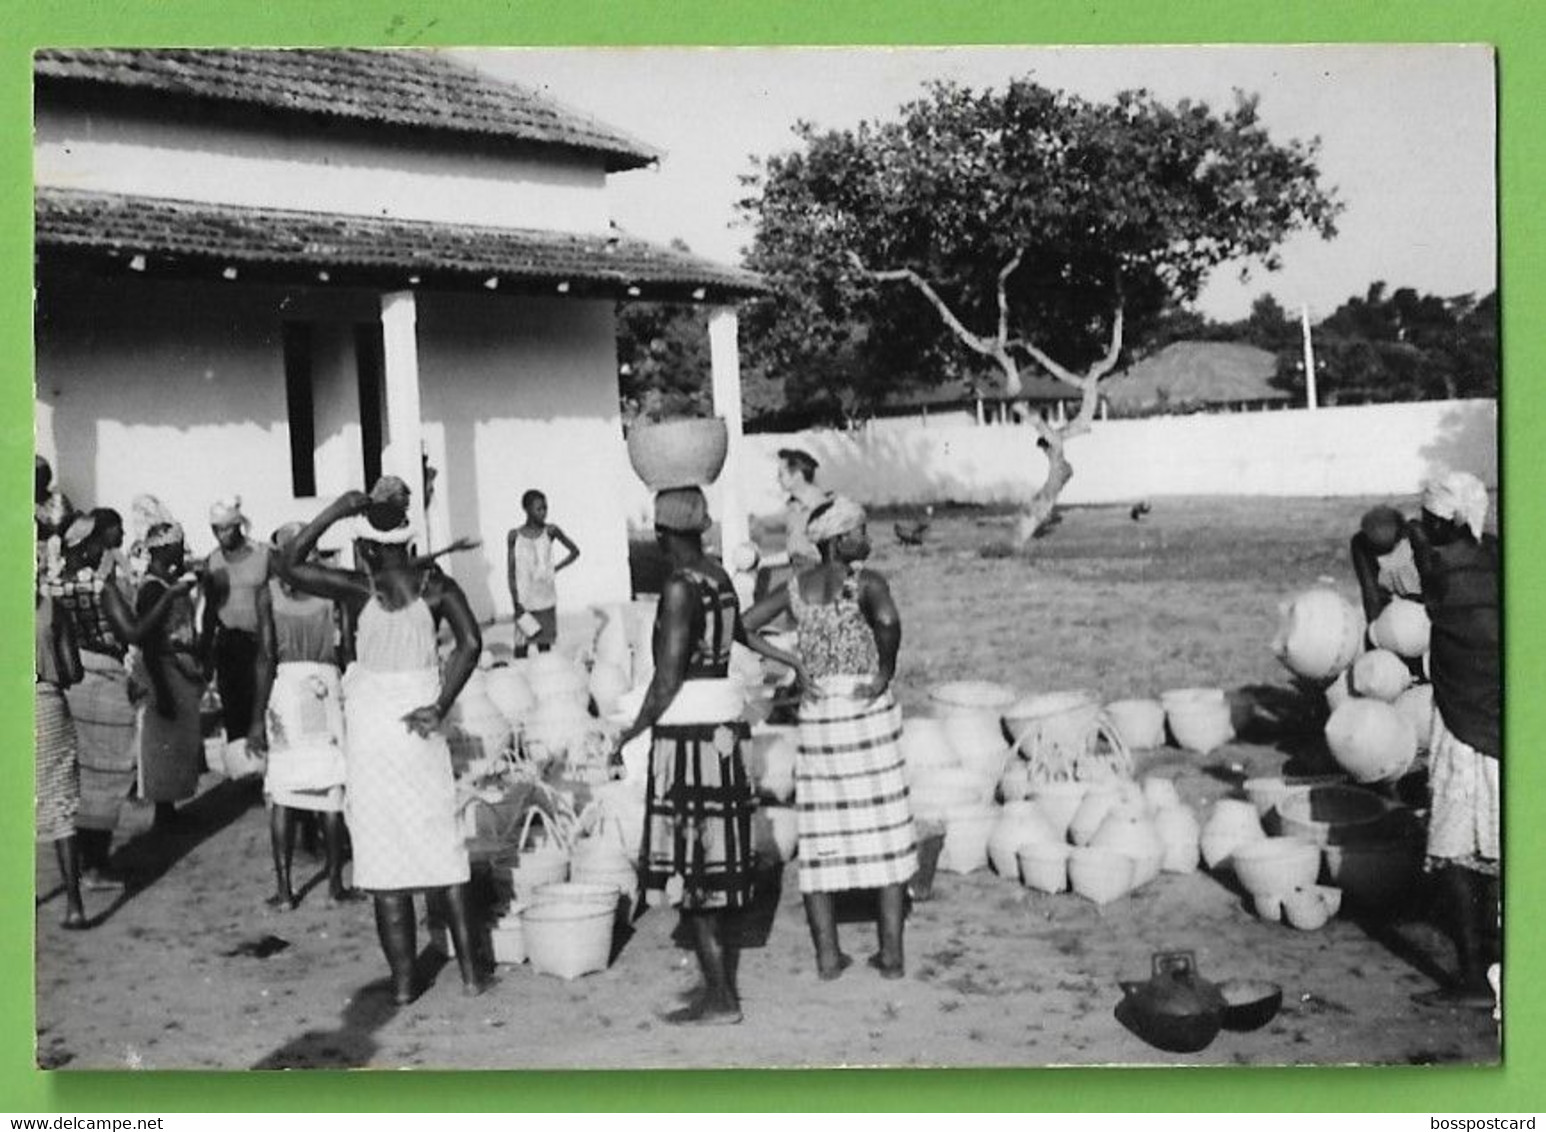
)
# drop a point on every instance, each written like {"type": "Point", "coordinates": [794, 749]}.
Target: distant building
{"type": "Point", "coordinates": [1189, 377]}
{"type": "Point", "coordinates": [960, 401]}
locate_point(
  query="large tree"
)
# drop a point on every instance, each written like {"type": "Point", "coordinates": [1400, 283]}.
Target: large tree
{"type": "Point", "coordinates": [1031, 227]}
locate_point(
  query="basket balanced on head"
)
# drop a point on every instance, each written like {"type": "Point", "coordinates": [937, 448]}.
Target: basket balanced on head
{"type": "Point", "coordinates": [679, 453]}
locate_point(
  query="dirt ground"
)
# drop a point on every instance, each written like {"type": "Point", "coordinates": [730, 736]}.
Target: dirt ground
{"type": "Point", "coordinates": [170, 976]}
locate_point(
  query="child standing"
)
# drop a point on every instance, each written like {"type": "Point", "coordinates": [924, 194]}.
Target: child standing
{"type": "Point", "coordinates": [531, 574]}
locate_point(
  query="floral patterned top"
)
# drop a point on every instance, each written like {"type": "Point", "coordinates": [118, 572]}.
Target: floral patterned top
{"type": "Point", "coordinates": [835, 638]}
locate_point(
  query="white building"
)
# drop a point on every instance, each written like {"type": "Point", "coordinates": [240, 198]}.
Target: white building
{"type": "Point", "coordinates": [279, 273]}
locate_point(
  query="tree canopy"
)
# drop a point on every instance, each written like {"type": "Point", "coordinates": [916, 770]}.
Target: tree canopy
{"type": "Point", "coordinates": [1026, 209]}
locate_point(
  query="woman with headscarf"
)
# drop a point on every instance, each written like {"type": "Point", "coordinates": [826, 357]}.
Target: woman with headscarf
{"type": "Point", "coordinates": [51, 515]}
{"type": "Point", "coordinates": [166, 679]}
{"type": "Point", "coordinates": [400, 798]}
{"type": "Point", "coordinates": [851, 807]}
{"type": "Point", "coordinates": [697, 836]}
{"type": "Point", "coordinates": [98, 620]}
{"type": "Point", "coordinates": [1458, 561]}
{"type": "Point", "coordinates": [235, 616]}
{"type": "Point", "coordinates": [304, 728]}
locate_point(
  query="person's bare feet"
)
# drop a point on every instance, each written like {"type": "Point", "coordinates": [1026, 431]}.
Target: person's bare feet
{"type": "Point", "coordinates": [281, 902]}
{"type": "Point", "coordinates": [74, 921]}
{"type": "Point", "coordinates": [705, 1011]}
{"type": "Point", "coordinates": [829, 971]}
{"type": "Point", "coordinates": [345, 896]}
{"type": "Point", "coordinates": [887, 970]}
{"type": "Point", "coordinates": [99, 880]}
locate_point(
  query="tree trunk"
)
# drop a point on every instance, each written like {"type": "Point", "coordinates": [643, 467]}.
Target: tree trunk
{"type": "Point", "coordinates": [1037, 515]}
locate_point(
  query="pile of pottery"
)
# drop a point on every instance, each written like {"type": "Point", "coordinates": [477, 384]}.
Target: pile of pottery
{"type": "Point", "coordinates": [1381, 715]}
{"type": "Point", "coordinates": [1298, 846]}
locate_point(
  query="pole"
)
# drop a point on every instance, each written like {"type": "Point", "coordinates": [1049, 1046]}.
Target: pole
{"type": "Point", "coordinates": [1309, 358]}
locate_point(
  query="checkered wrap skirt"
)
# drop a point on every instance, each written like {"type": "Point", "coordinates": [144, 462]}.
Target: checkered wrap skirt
{"type": "Point", "coordinates": [851, 808]}
{"type": "Point", "coordinates": [698, 816]}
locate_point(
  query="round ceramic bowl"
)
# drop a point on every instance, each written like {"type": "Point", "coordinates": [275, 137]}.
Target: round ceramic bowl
{"type": "Point", "coordinates": [1249, 1004]}
{"type": "Point", "coordinates": [1276, 865]}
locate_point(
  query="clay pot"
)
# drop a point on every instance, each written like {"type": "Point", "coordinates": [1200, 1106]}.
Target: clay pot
{"type": "Point", "coordinates": [1380, 675]}
{"type": "Point", "coordinates": [555, 728]}
{"type": "Point", "coordinates": [475, 727]}
{"type": "Point", "coordinates": [1276, 865]}
{"type": "Point", "coordinates": [1044, 865]}
{"type": "Point", "coordinates": [1015, 783]}
{"type": "Point", "coordinates": [786, 831]}
{"type": "Point", "coordinates": [1093, 810]}
{"type": "Point", "coordinates": [1202, 724]}
{"type": "Point", "coordinates": [1140, 723]}
{"type": "Point", "coordinates": [509, 692]}
{"type": "Point", "coordinates": [1230, 825]}
{"type": "Point", "coordinates": [1319, 633]}
{"type": "Point", "coordinates": [1403, 628]}
{"type": "Point", "coordinates": [970, 696]}
{"type": "Point", "coordinates": [1059, 802]}
{"type": "Point", "coordinates": [1019, 823]}
{"type": "Point", "coordinates": [554, 680]}
{"type": "Point", "coordinates": [1416, 706]}
{"type": "Point", "coordinates": [1332, 815]}
{"type": "Point", "coordinates": [978, 742]}
{"type": "Point", "coordinates": [1371, 740]}
{"type": "Point", "coordinates": [1311, 906]}
{"type": "Point", "coordinates": [1100, 875]}
{"type": "Point", "coordinates": [1061, 719]}
{"type": "Point", "coordinates": [967, 829]}
{"type": "Point", "coordinates": [1158, 793]}
{"type": "Point", "coordinates": [1135, 836]}
{"type": "Point", "coordinates": [1181, 835]}
{"type": "Point", "coordinates": [936, 791]}
{"type": "Point", "coordinates": [689, 452]}
{"type": "Point", "coordinates": [924, 746]}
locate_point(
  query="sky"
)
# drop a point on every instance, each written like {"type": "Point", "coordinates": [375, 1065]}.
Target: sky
{"type": "Point", "coordinates": [1407, 135]}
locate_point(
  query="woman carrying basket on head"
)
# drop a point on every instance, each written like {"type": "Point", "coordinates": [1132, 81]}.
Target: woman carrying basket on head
{"type": "Point", "coordinates": [851, 806]}
{"type": "Point", "coordinates": [697, 836]}
{"type": "Point", "coordinates": [399, 792]}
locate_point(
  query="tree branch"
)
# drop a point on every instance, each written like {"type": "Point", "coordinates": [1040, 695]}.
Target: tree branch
{"type": "Point", "coordinates": [977, 342]}
{"type": "Point", "coordinates": [1003, 299]}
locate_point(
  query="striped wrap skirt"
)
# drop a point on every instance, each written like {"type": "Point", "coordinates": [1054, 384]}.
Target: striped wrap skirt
{"type": "Point", "coordinates": [106, 747]}
{"type": "Point", "coordinates": [1466, 816]}
{"type": "Point", "coordinates": [851, 807]}
{"type": "Point", "coordinates": [698, 816]}
{"type": "Point", "coordinates": [58, 791]}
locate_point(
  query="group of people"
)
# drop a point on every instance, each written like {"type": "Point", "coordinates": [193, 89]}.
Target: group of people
{"type": "Point", "coordinates": [1448, 561]}
{"type": "Point", "coordinates": [338, 675]}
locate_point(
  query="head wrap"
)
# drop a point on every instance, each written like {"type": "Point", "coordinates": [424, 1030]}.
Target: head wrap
{"type": "Point", "coordinates": [164, 534]}
{"type": "Point", "coordinates": [80, 529]}
{"type": "Point", "coordinates": [227, 513]}
{"type": "Point", "coordinates": [839, 517]}
{"type": "Point", "coordinates": [389, 489]}
{"type": "Point", "coordinates": [682, 509]}
{"type": "Point", "coordinates": [1460, 497]}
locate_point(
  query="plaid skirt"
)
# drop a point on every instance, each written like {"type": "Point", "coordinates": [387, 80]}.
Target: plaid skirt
{"type": "Point", "coordinates": [698, 816]}
{"type": "Point", "coordinates": [58, 791]}
{"type": "Point", "coordinates": [851, 808]}
{"type": "Point", "coordinates": [1465, 821]}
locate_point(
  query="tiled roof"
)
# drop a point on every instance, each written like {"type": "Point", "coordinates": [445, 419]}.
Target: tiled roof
{"type": "Point", "coordinates": [393, 88]}
{"type": "Point", "coordinates": [274, 243]}
{"type": "Point", "coordinates": [1198, 373]}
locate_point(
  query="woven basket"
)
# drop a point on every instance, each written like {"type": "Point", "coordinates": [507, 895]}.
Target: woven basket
{"type": "Point", "coordinates": [568, 938]}
{"type": "Point", "coordinates": [680, 453]}
{"type": "Point", "coordinates": [526, 869]}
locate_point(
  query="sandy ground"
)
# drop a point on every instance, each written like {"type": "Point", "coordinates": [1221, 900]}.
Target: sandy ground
{"type": "Point", "coordinates": [997, 975]}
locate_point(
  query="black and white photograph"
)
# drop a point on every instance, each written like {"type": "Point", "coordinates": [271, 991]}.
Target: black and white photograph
{"type": "Point", "coordinates": [626, 558]}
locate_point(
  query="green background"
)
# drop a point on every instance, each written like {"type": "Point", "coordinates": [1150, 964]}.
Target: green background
{"type": "Point", "coordinates": [1514, 26]}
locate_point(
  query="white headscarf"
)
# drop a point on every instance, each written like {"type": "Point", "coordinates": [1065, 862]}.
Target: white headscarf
{"type": "Point", "coordinates": [227, 512]}
{"type": "Point", "coordinates": [837, 518]}
{"type": "Point", "coordinates": [1458, 496]}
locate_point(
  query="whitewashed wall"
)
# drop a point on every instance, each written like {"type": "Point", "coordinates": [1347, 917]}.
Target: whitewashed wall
{"type": "Point", "coordinates": [1360, 450]}
{"type": "Point", "coordinates": [133, 152]}
{"type": "Point", "coordinates": [178, 390]}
